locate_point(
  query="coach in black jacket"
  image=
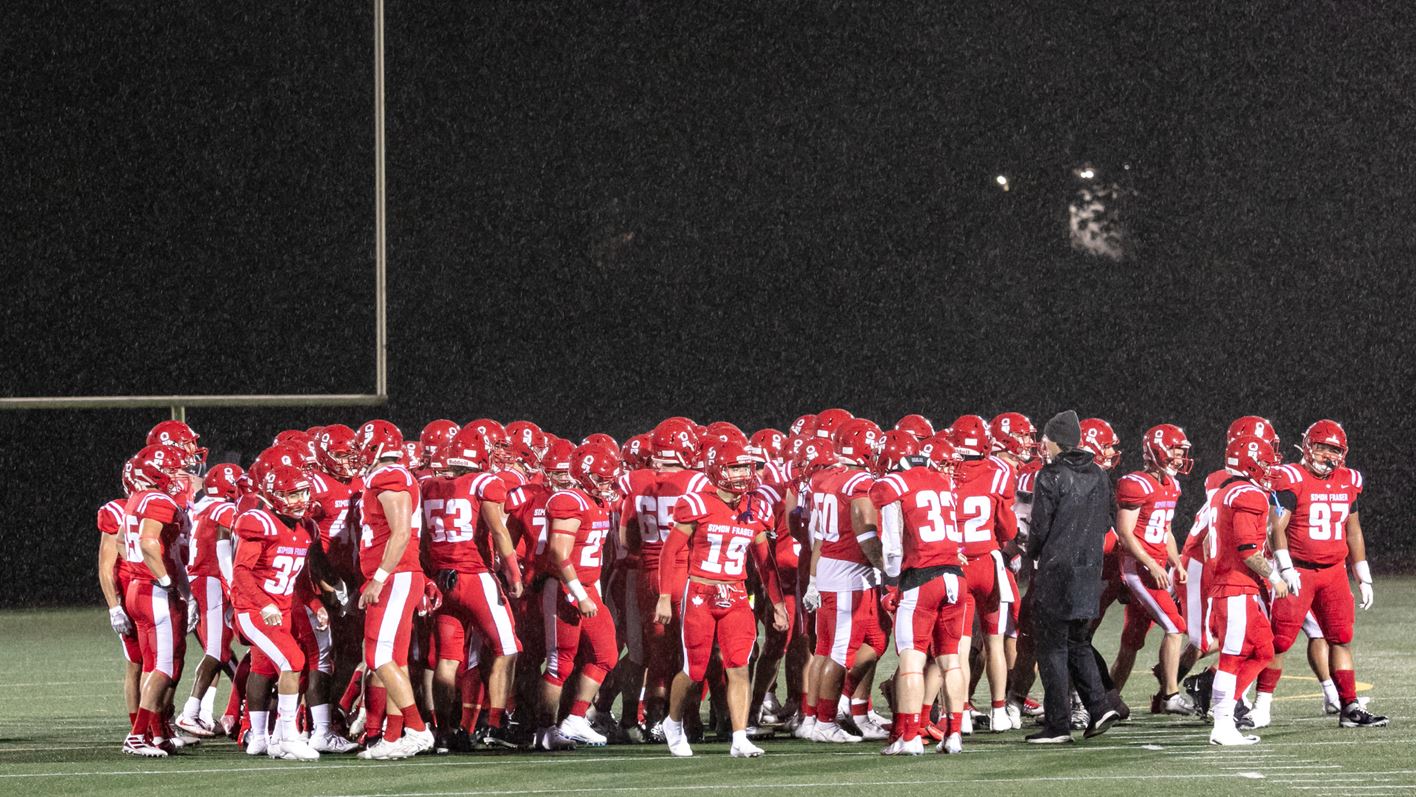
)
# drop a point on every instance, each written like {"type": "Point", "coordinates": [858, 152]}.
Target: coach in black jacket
{"type": "Point", "coordinates": [1071, 512]}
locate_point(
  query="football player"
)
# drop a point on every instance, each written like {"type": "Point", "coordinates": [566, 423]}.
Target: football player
{"type": "Point", "coordinates": [210, 574]}
{"type": "Point", "coordinates": [719, 529]}
{"type": "Point", "coordinates": [1237, 615]}
{"type": "Point", "coordinates": [113, 582]}
{"type": "Point", "coordinates": [1317, 532]}
{"type": "Point", "coordinates": [270, 560]}
{"type": "Point", "coordinates": [1146, 501]}
{"type": "Point", "coordinates": [392, 521]}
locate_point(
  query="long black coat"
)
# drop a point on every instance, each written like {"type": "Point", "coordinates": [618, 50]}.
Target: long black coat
{"type": "Point", "coordinates": [1071, 513]}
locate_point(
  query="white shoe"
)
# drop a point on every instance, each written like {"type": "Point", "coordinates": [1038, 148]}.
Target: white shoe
{"type": "Point", "coordinates": [257, 745]}
{"type": "Point", "coordinates": [578, 730]}
{"type": "Point", "coordinates": [676, 739]}
{"type": "Point", "coordinates": [195, 726]}
{"type": "Point", "coordinates": [832, 733]}
{"type": "Point", "coordinates": [745, 750]}
{"type": "Point", "coordinates": [333, 743]}
{"type": "Point", "coordinates": [1225, 733]}
{"type": "Point", "coordinates": [999, 721]}
{"type": "Point", "coordinates": [552, 739]}
{"type": "Point", "coordinates": [893, 748]}
{"type": "Point", "coordinates": [384, 750]}
{"type": "Point", "coordinates": [806, 728]}
{"type": "Point", "coordinates": [953, 744]}
{"type": "Point", "coordinates": [879, 720]}
{"type": "Point", "coordinates": [1015, 714]}
{"type": "Point", "coordinates": [292, 750]}
{"type": "Point", "coordinates": [1262, 712]}
{"type": "Point", "coordinates": [966, 726]}
{"type": "Point", "coordinates": [422, 741]}
{"type": "Point", "coordinates": [870, 730]}
{"type": "Point", "coordinates": [914, 746]}
{"type": "Point", "coordinates": [1330, 708]}
{"type": "Point", "coordinates": [136, 745]}
{"type": "Point", "coordinates": [1179, 703]}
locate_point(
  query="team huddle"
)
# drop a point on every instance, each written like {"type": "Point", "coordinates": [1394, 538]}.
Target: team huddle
{"type": "Point", "coordinates": [495, 587]}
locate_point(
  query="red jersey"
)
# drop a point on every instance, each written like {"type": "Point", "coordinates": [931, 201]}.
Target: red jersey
{"type": "Point", "coordinates": [640, 505]}
{"type": "Point", "coordinates": [510, 478]}
{"type": "Point", "coordinates": [984, 492]}
{"type": "Point", "coordinates": [770, 503]}
{"type": "Point", "coordinates": [152, 505]}
{"type": "Point", "coordinates": [329, 507]}
{"type": "Point", "coordinates": [526, 520]}
{"type": "Point", "coordinates": [1027, 475]}
{"type": "Point", "coordinates": [270, 560]}
{"type": "Point", "coordinates": [718, 549]}
{"type": "Point", "coordinates": [594, 519]}
{"type": "Point", "coordinates": [669, 486]}
{"type": "Point", "coordinates": [931, 537]}
{"type": "Point", "coordinates": [452, 513]}
{"type": "Point", "coordinates": [211, 514]}
{"type": "Point", "coordinates": [1241, 531]}
{"type": "Point", "coordinates": [1318, 508]}
{"type": "Point", "coordinates": [110, 516]}
{"type": "Point", "coordinates": [375, 530]}
{"type": "Point", "coordinates": [832, 491]}
{"type": "Point", "coordinates": [1156, 501]}
{"type": "Point", "coordinates": [1199, 543]}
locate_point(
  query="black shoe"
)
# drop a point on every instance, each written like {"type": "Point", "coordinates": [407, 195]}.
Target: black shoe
{"type": "Point", "coordinates": [1103, 723]}
{"type": "Point", "coordinates": [1123, 711]}
{"type": "Point", "coordinates": [1048, 736]}
{"type": "Point", "coordinates": [498, 739]}
{"type": "Point", "coordinates": [442, 744]}
{"type": "Point", "coordinates": [1242, 721]}
{"type": "Point", "coordinates": [1354, 716]}
{"type": "Point", "coordinates": [1198, 687]}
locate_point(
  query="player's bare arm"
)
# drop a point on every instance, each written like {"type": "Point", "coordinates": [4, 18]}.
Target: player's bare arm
{"type": "Point", "coordinates": [562, 544]}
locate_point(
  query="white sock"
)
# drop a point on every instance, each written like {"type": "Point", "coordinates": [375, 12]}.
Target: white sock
{"type": "Point", "coordinates": [1263, 700]}
{"type": "Point", "coordinates": [1330, 692]}
{"type": "Point", "coordinates": [289, 705]}
{"type": "Point", "coordinates": [740, 738]}
{"type": "Point", "coordinates": [260, 720]}
{"type": "Point", "coordinates": [320, 715]}
{"type": "Point", "coordinates": [208, 702]}
{"type": "Point", "coordinates": [194, 704]}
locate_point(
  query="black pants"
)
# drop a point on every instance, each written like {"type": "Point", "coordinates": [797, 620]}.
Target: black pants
{"type": "Point", "coordinates": [1065, 658]}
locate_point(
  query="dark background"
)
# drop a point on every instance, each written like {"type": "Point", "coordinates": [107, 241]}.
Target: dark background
{"type": "Point", "coordinates": [603, 215]}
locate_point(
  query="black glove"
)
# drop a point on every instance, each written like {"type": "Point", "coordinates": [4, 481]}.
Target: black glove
{"type": "Point", "coordinates": [447, 579]}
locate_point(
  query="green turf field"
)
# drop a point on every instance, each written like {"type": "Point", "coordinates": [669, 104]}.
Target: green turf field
{"type": "Point", "coordinates": [62, 721]}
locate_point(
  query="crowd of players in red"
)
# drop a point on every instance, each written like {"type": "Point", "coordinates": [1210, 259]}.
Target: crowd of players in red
{"type": "Point", "coordinates": [455, 585]}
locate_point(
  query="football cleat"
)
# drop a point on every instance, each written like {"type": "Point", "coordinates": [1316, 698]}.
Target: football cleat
{"type": "Point", "coordinates": [893, 748]}
{"type": "Point", "coordinates": [332, 743]}
{"type": "Point", "coordinates": [1015, 714]}
{"type": "Point", "coordinates": [832, 733]}
{"type": "Point", "coordinates": [1225, 734]}
{"type": "Point", "coordinates": [136, 745]}
{"type": "Point", "coordinates": [1261, 715]}
{"type": "Point", "coordinates": [1355, 716]}
{"type": "Point", "coordinates": [384, 750]}
{"type": "Point", "coordinates": [291, 750]}
{"type": "Point", "coordinates": [1242, 720]}
{"type": "Point", "coordinates": [256, 745]}
{"type": "Point", "coordinates": [746, 749]}
{"type": "Point", "coordinates": [966, 726]}
{"type": "Point", "coordinates": [195, 726]}
{"type": "Point", "coordinates": [771, 703]}
{"type": "Point", "coordinates": [421, 741]}
{"type": "Point", "coordinates": [655, 733]}
{"type": "Point", "coordinates": [552, 739]}
{"type": "Point", "coordinates": [1198, 686]}
{"type": "Point", "coordinates": [676, 739]}
{"type": "Point", "coordinates": [498, 739]}
{"type": "Point", "coordinates": [578, 730]}
{"type": "Point", "coordinates": [999, 720]}
{"type": "Point", "coordinates": [870, 729]}
{"type": "Point", "coordinates": [1031, 708]}
{"type": "Point", "coordinates": [806, 728]}
{"type": "Point", "coordinates": [1178, 703]}
{"type": "Point", "coordinates": [952, 745]}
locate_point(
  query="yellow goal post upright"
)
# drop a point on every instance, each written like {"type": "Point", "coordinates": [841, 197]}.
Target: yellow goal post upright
{"type": "Point", "coordinates": [180, 403]}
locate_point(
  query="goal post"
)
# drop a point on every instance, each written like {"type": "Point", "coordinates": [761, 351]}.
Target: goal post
{"type": "Point", "coordinates": [179, 403]}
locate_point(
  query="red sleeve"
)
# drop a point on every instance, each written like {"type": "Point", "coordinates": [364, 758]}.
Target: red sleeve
{"type": "Point", "coordinates": [393, 480]}
{"type": "Point", "coordinates": [249, 527]}
{"type": "Point", "coordinates": [248, 558]}
{"type": "Point", "coordinates": [563, 505]}
{"type": "Point", "coordinates": [767, 569]}
{"type": "Point", "coordinates": [1005, 520]}
{"type": "Point", "coordinates": [690, 508]}
{"type": "Point", "coordinates": [224, 515]}
{"type": "Point", "coordinates": [1131, 492]}
{"type": "Point", "coordinates": [162, 509]}
{"type": "Point", "coordinates": [860, 487]}
{"type": "Point", "coordinates": [493, 490]}
{"type": "Point", "coordinates": [1250, 522]}
{"type": "Point", "coordinates": [669, 555]}
{"type": "Point", "coordinates": [109, 521]}
{"type": "Point", "coordinates": [887, 491]}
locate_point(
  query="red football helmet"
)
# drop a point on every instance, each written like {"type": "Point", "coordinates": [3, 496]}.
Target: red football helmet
{"type": "Point", "coordinates": [719, 427]}
{"type": "Point", "coordinates": [674, 442]}
{"type": "Point", "coordinates": [378, 440]}
{"type": "Point", "coordinates": [1166, 448]}
{"type": "Point", "coordinates": [556, 464]}
{"type": "Point", "coordinates": [129, 468]}
{"type": "Point", "coordinates": [159, 467]}
{"type": "Point", "coordinates": [940, 453]}
{"type": "Point", "coordinates": [601, 439]}
{"type": "Point", "coordinates": [220, 481]}
{"type": "Point", "coordinates": [970, 436]}
{"type": "Point", "coordinates": [731, 468]}
{"type": "Point", "coordinates": [299, 441]}
{"type": "Point", "coordinates": [767, 445]}
{"type": "Point", "coordinates": [413, 455]}
{"type": "Point", "coordinates": [336, 453]}
{"type": "Point", "coordinates": [724, 432]}
{"type": "Point", "coordinates": [1329, 434]}
{"type": "Point", "coordinates": [1100, 439]}
{"type": "Point", "coordinates": [287, 490]}
{"type": "Point", "coordinates": [1254, 426]}
{"type": "Point", "coordinates": [493, 431]}
{"type": "Point", "coordinates": [805, 424]}
{"type": "Point", "coordinates": [179, 434]}
{"type": "Point", "coordinates": [899, 450]}
{"type": "Point", "coordinates": [816, 454]}
{"type": "Point", "coordinates": [434, 436]}
{"type": "Point", "coordinates": [314, 432]}
{"type": "Point", "coordinates": [268, 459]}
{"type": "Point", "coordinates": [1014, 433]}
{"type": "Point", "coordinates": [635, 452]}
{"type": "Point", "coordinates": [528, 433]}
{"type": "Point", "coordinates": [828, 420]}
{"type": "Point", "coordinates": [850, 426]}
{"type": "Point", "coordinates": [859, 445]}
{"type": "Point", "coordinates": [917, 426]}
{"type": "Point", "coordinates": [1252, 457]}
{"type": "Point", "coordinates": [469, 449]}
{"type": "Point", "coordinates": [596, 468]}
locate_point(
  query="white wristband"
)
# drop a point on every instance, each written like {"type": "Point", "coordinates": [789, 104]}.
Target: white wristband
{"type": "Point", "coordinates": [1364, 573]}
{"type": "Point", "coordinates": [381, 575]}
{"type": "Point", "coordinates": [165, 582]}
{"type": "Point", "coordinates": [1275, 579]}
{"type": "Point", "coordinates": [1285, 559]}
{"type": "Point", "coordinates": [574, 587]}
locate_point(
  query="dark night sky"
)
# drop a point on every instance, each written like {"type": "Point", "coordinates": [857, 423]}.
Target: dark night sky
{"type": "Point", "coordinates": [602, 215]}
